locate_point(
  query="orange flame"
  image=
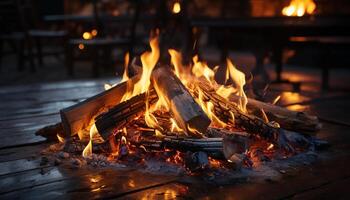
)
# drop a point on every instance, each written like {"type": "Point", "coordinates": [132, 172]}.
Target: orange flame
{"type": "Point", "coordinates": [299, 8]}
{"type": "Point", "coordinates": [88, 149]}
{"type": "Point", "coordinates": [149, 61]}
{"type": "Point", "coordinates": [238, 78]}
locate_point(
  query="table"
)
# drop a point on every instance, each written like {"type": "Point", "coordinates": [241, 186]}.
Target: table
{"type": "Point", "coordinates": [271, 33]}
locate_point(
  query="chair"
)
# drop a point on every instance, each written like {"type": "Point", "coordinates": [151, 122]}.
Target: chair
{"type": "Point", "coordinates": [14, 32]}
{"type": "Point", "coordinates": [40, 33]}
{"type": "Point", "coordinates": [100, 48]}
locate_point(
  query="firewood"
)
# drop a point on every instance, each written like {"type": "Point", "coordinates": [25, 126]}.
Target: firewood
{"type": "Point", "coordinates": [288, 119]}
{"type": "Point", "coordinates": [79, 116]}
{"type": "Point", "coordinates": [224, 109]}
{"type": "Point", "coordinates": [185, 110]}
{"type": "Point", "coordinates": [123, 114]}
{"type": "Point", "coordinates": [50, 132]}
{"type": "Point", "coordinates": [212, 146]}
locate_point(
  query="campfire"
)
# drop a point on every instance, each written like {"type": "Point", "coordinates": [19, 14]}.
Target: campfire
{"type": "Point", "coordinates": [178, 114]}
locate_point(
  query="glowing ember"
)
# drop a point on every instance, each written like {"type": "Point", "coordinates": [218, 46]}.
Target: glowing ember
{"type": "Point", "coordinates": [299, 8]}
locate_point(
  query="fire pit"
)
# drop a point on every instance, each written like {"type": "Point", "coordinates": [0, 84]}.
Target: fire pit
{"type": "Point", "coordinates": [177, 119]}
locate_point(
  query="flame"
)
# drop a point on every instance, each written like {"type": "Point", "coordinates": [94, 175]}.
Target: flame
{"type": "Point", "coordinates": [126, 64]}
{"type": "Point", "coordinates": [60, 139]}
{"type": "Point", "coordinates": [299, 8]}
{"type": "Point", "coordinates": [201, 69]}
{"type": "Point", "coordinates": [107, 86]}
{"type": "Point", "coordinates": [150, 119]}
{"type": "Point", "coordinates": [270, 147]}
{"type": "Point", "coordinates": [176, 60]}
{"type": "Point", "coordinates": [176, 8]}
{"type": "Point", "coordinates": [264, 116]}
{"type": "Point", "coordinates": [88, 149]}
{"type": "Point", "coordinates": [149, 61]}
{"type": "Point", "coordinates": [208, 108]}
{"type": "Point", "coordinates": [238, 78]}
{"type": "Point", "coordinates": [276, 99]}
{"type": "Point", "coordinates": [174, 126]}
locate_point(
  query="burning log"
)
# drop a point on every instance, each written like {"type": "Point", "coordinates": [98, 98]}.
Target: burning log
{"type": "Point", "coordinates": [225, 110]}
{"type": "Point", "coordinates": [212, 146]}
{"type": "Point", "coordinates": [122, 114]}
{"type": "Point", "coordinates": [288, 119]}
{"type": "Point", "coordinates": [187, 113]}
{"type": "Point", "coordinates": [79, 116]}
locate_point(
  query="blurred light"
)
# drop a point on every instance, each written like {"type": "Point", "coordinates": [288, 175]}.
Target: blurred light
{"type": "Point", "coordinates": [87, 36]}
{"type": "Point", "coordinates": [81, 46]}
{"type": "Point", "coordinates": [176, 7]}
{"type": "Point", "coordinates": [94, 32]}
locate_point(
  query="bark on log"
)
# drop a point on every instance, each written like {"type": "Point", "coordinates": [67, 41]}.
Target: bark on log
{"type": "Point", "coordinates": [288, 119]}
{"type": "Point", "coordinates": [252, 124]}
{"type": "Point", "coordinates": [79, 116]}
{"type": "Point", "coordinates": [185, 110]}
{"type": "Point", "coordinates": [122, 114]}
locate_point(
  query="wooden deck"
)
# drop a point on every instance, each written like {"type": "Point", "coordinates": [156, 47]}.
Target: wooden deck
{"type": "Point", "coordinates": [24, 109]}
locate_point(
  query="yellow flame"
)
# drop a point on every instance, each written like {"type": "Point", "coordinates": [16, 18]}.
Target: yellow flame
{"type": "Point", "coordinates": [87, 36]}
{"type": "Point", "coordinates": [226, 91]}
{"type": "Point", "coordinates": [238, 78]}
{"type": "Point", "coordinates": [176, 7]}
{"type": "Point", "coordinates": [174, 126]}
{"type": "Point", "coordinates": [126, 64]}
{"type": "Point", "coordinates": [299, 8]}
{"type": "Point", "coordinates": [149, 61]}
{"type": "Point", "coordinates": [270, 146]}
{"type": "Point", "coordinates": [150, 119]}
{"type": "Point", "coordinates": [276, 99]}
{"type": "Point", "coordinates": [176, 60]}
{"type": "Point", "coordinates": [60, 139]}
{"type": "Point", "coordinates": [201, 69]}
{"type": "Point", "coordinates": [88, 149]}
{"type": "Point", "coordinates": [266, 119]}
{"type": "Point", "coordinates": [158, 133]}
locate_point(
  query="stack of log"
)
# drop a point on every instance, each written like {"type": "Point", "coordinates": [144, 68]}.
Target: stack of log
{"type": "Point", "coordinates": [109, 114]}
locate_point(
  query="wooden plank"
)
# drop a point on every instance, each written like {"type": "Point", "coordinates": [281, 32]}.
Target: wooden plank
{"type": "Point", "coordinates": [23, 140]}
{"type": "Point", "coordinates": [81, 186]}
{"type": "Point", "coordinates": [28, 122]}
{"type": "Point", "coordinates": [25, 152]}
{"type": "Point", "coordinates": [44, 87]}
{"type": "Point", "coordinates": [15, 166]}
{"type": "Point", "coordinates": [35, 110]}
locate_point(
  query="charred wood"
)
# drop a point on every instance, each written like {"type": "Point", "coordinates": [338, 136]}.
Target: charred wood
{"type": "Point", "coordinates": [288, 119]}
{"type": "Point", "coordinates": [123, 113]}
{"type": "Point", "coordinates": [185, 110]}
{"type": "Point", "coordinates": [225, 110]}
{"type": "Point", "coordinates": [80, 115]}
